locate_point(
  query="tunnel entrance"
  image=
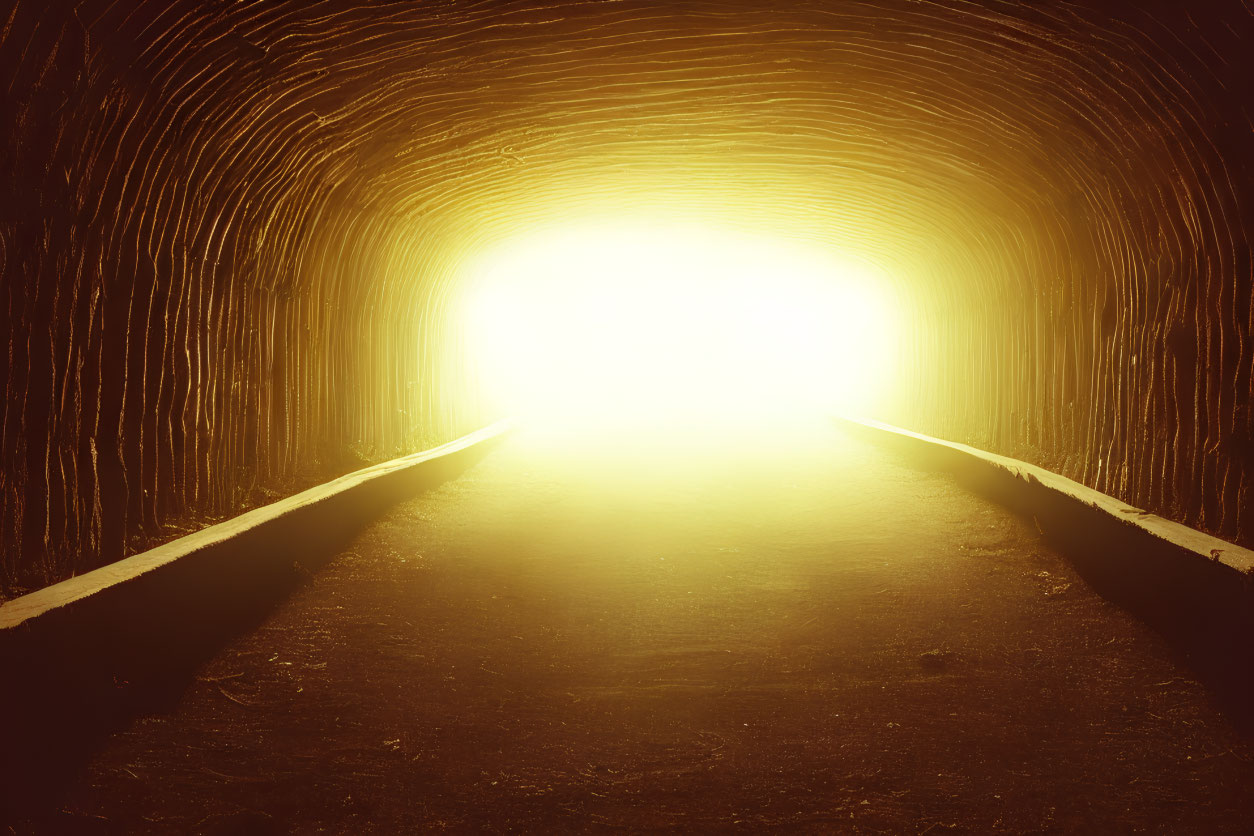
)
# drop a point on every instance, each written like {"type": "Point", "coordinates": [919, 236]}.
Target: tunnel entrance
{"type": "Point", "coordinates": [659, 327]}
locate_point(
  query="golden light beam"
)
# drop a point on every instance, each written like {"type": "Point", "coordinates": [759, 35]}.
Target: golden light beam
{"type": "Point", "coordinates": [659, 325]}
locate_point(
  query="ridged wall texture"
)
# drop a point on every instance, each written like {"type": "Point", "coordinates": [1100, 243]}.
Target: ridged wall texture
{"type": "Point", "coordinates": [230, 232]}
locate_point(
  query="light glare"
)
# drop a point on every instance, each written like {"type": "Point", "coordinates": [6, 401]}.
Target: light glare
{"type": "Point", "coordinates": [626, 324]}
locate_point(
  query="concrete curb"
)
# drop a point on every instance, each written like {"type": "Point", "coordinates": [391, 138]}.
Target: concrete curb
{"type": "Point", "coordinates": [80, 658]}
{"type": "Point", "coordinates": [1195, 589]}
{"type": "Point", "coordinates": [115, 577]}
{"type": "Point", "coordinates": [1188, 540]}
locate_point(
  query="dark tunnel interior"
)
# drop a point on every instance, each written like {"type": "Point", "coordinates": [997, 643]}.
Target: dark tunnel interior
{"type": "Point", "coordinates": [232, 233]}
{"type": "Point", "coordinates": [248, 247]}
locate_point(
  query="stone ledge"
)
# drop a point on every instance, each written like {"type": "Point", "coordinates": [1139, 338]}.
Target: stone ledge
{"type": "Point", "coordinates": [1193, 588]}
{"type": "Point", "coordinates": [81, 658]}
{"type": "Point", "coordinates": [1210, 548]}
{"type": "Point", "coordinates": [99, 581]}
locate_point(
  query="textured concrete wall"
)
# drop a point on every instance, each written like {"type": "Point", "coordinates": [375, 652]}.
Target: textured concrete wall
{"type": "Point", "coordinates": [230, 231]}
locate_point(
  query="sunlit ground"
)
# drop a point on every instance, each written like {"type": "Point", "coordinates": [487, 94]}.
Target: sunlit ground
{"type": "Point", "coordinates": [662, 333]}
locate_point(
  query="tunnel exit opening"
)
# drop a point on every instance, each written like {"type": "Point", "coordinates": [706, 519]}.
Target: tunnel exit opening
{"type": "Point", "coordinates": [661, 327]}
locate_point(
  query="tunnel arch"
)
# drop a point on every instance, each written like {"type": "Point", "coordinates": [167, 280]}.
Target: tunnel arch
{"type": "Point", "coordinates": [233, 231]}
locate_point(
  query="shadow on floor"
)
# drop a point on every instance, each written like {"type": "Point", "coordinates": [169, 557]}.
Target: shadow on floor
{"type": "Point", "coordinates": [1204, 608]}
{"type": "Point", "coordinates": [76, 675]}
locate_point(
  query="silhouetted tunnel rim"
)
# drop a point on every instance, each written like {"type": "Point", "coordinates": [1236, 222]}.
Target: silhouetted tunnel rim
{"type": "Point", "coordinates": [290, 190]}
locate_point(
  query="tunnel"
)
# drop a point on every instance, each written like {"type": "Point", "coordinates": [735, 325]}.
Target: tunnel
{"type": "Point", "coordinates": [239, 241]}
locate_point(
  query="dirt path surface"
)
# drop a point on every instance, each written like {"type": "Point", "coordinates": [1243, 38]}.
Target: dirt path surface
{"type": "Point", "coordinates": [825, 641]}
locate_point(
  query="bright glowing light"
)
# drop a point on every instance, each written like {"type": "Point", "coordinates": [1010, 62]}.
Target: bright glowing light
{"type": "Point", "coordinates": [631, 323]}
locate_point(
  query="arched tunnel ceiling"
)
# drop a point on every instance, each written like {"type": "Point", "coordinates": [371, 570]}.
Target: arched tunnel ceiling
{"type": "Point", "coordinates": [232, 231]}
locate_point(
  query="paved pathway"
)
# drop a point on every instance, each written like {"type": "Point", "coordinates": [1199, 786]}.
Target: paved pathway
{"type": "Point", "coordinates": [818, 638]}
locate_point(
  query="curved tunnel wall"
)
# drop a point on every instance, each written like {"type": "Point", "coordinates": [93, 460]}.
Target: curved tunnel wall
{"type": "Point", "coordinates": [231, 231]}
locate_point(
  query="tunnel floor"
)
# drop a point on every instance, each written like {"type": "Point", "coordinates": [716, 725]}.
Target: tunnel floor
{"type": "Point", "coordinates": [819, 639]}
